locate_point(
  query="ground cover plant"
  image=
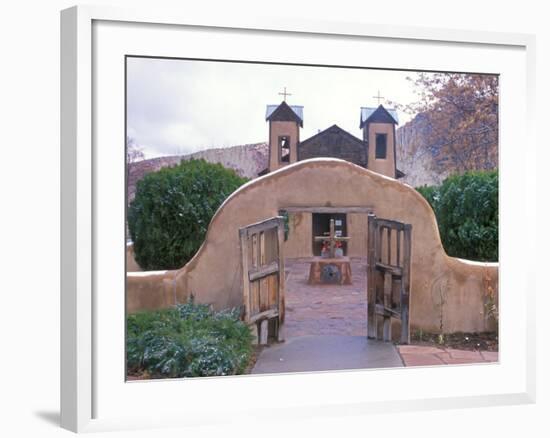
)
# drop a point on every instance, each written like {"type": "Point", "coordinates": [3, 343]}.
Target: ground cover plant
{"type": "Point", "coordinates": [172, 209]}
{"type": "Point", "coordinates": [466, 208]}
{"type": "Point", "coordinates": [188, 340]}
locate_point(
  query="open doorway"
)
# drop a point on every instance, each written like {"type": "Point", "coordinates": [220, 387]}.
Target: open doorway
{"type": "Point", "coordinates": [321, 227]}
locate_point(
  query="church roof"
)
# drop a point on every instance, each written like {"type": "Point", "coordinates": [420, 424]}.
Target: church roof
{"type": "Point", "coordinates": [334, 142]}
{"type": "Point", "coordinates": [334, 130]}
{"type": "Point", "coordinates": [297, 111]}
{"type": "Point", "coordinates": [368, 112]}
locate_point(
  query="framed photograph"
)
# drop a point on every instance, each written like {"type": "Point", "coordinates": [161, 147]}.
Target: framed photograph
{"type": "Point", "coordinates": [252, 206]}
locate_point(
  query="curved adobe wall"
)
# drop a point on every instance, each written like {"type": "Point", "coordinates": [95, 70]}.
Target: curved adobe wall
{"type": "Point", "coordinates": [445, 292]}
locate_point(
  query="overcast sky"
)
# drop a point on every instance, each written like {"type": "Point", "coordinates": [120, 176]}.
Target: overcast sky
{"type": "Point", "coordinates": [183, 106]}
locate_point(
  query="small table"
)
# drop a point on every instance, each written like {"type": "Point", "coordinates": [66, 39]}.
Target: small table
{"type": "Point", "coordinates": [330, 271]}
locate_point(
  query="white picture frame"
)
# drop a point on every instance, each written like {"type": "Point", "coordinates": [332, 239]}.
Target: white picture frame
{"type": "Point", "coordinates": [85, 174]}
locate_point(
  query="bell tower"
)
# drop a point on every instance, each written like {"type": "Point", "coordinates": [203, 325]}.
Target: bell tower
{"type": "Point", "coordinates": [285, 122]}
{"type": "Point", "coordinates": [378, 125]}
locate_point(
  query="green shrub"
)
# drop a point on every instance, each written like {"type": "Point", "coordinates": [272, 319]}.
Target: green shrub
{"type": "Point", "coordinates": [466, 208]}
{"type": "Point", "coordinates": [189, 340]}
{"type": "Point", "coordinates": [172, 209]}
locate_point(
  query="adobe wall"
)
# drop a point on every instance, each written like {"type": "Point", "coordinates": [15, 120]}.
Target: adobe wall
{"type": "Point", "coordinates": [446, 293]}
{"type": "Point", "coordinates": [150, 290]}
{"type": "Point", "coordinates": [299, 242]}
{"type": "Point", "coordinates": [131, 264]}
{"type": "Point", "coordinates": [357, 227]}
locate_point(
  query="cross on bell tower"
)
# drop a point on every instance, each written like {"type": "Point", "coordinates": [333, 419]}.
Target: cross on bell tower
{"type": "Point", "coordinates": [379, 97]}
{"type": "Point", "coordinates": [285, 94]}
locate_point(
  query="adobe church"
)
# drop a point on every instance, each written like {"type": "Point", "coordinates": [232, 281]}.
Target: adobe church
{"type": "Point", "coordinates": [376, 152]}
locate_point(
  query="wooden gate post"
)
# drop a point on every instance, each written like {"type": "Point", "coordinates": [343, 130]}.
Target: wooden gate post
{"type": "Point", "coordinates": [263, 276]}
{"type": "Point", "coordinates": [243, 235]}
{"type": "Point", "coordinates": [281, 292]}
{"type": "Point", "coordinates": [371, 278]}
{"type": "Point", "coordinates": [384, 273]}
{"type": "Point", "coordinates": [405, 285]}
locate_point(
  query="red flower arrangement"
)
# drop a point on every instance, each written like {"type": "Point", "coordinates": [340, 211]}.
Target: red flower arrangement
{"type": "Point", "coordinates": [326, 245]}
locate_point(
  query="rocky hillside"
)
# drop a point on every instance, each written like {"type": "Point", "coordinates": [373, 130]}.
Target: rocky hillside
{"type": "Point", "coordinates": [246, 160]}
{"type": "Point", "coordinates": [413, 158]}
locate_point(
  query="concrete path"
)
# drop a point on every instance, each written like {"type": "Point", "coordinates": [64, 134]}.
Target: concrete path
{"type": "Point", "coordinates": [324, 353]}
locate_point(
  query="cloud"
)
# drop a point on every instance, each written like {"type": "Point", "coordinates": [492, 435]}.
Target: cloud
{"type": "Point", "coordinates": [181, 106]}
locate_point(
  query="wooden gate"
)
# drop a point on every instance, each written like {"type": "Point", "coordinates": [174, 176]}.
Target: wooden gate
{"type": "Point", "coordinates": [389, 277]}
{"type": "Point", "coordinates": [264, 278]}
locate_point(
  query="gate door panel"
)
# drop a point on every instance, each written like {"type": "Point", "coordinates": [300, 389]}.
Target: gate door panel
{"type": "Point", "coordinates": [389, 277]}
{"type": "Point", "coordinates": [264, 277]}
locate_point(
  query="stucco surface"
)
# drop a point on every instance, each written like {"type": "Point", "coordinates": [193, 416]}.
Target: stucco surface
{"type": "Point", "coordinates": [276, 129]}
{"type": "Point", "coordinates": [299, 243]}
{"type": "Point", "coordinates": [447, 294]}
{"type": "Point", "coordinates": [150, 290]}
{"type": "Point", "coordinates": [385, 166]}
{"type": "Point", "coordinates": [357, 228]}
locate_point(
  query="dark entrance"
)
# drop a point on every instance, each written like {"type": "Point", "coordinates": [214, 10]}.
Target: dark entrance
{"type": "Point", "coordinates": [321, 227]}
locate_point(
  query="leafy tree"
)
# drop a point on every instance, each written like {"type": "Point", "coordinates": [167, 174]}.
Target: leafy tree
{"type": "Point", "coordinates": [133, 151]}
{"type": "Point", "coordinates": [459, 113]}
{"type": "Point", "coordinates": [172, 209]}
{"type": "Point", "coordinates": [466, 208]}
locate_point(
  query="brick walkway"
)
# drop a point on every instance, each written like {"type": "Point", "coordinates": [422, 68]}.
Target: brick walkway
{"type": "Point", "coordinates": [419, 355]}
{"type": "Point", "coordinates": [325, 309]}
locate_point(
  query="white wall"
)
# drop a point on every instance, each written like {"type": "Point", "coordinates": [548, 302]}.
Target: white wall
{"type": "Point", "coordinates": [29, 182]}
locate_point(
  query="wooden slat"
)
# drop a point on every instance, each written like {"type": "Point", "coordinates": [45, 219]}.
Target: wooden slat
{"type": "Point", "coordinates": [264, 325]}
{"type": "Point", "coordinates": [406, 284]}
{"type": "Point", "coordinates": [267, 314]}
{"type": "Point", "coordinates": [263, 271]}
{"type": "Point", "coordinates": [378, 246]}
{"type": "Point", "coordinates": [262, 226]}
{"type": "Point", "coordinates": [383, 311]}
{"type": "Point", "coordinates": [253, 250]}
{"type": "Point", "coordinates": [264, 294]}
{"type": "Point", "coordinates": [387, 305]}
{"type": "Point", "coordinates": [371, 277]}
{"type": "Point", "coordinates": [273, 290]}
{"type": "Point", "coordinates": [390, 224]}
{"type": "Point", "coordinates": [271, 246]}
{"type": "Point", "coordinates": [281, 280]}
{"type": "Point", "coordinates": [398, 248]}
{"type": "Point", "coordinates": [261, 253]}
{"type": "Point", "coordinates": [394, 270]}
{"type": "Point", "coordinates": [396, 292]}
{"type": "Point", "coordinates": [254, 297]}
{"type": "Point", "coordinates": [246, 284]}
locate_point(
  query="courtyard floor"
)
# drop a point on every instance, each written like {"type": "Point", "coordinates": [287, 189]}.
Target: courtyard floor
{"type": "Point", "coordinates": [325, 309]}
{"type": "Point", "coordinates": [326, 329]}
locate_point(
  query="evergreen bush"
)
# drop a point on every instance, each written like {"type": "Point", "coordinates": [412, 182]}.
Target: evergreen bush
{"type": "Point", "coordinates": [189, 340]}
{"type": "Point", "coordinates": [466, 208]}
{"type": "Point", "coordinates": [172, 209]}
